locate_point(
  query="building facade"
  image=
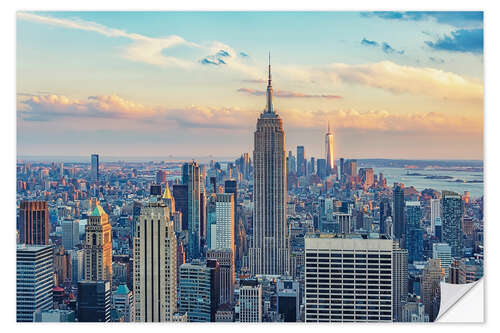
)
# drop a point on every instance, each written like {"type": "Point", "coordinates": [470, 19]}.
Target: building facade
{"type": "Point", "coordinates": [269, 253]}
{"type": "Point", "coordinates": [94, 301]}
{"type": "Point", "coordinates": [34, 225]}
{"type": "Point", "coordinates": [452, 216]}
{"type": "Point", "coordinates": [348, 278]}
{"type": "Point", "coordinates": [155, 265]}
{"type": "Point", "coordinates": [98, 246]}
{"type": "Point", "coordinates": [34, 280]}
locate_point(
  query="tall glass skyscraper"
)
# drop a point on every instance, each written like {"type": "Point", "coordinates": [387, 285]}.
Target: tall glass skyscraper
{"type": "Point", "coordinates": [269, 253]}
{"type": "Point", "coordinates": [414, 234]}
{"type": "Point", "coordinates": [398, 219]}
{"type": "Point", "coordinates": [191, 178]}
{"type": "Point", "coordinates": [94, 168]}
{"type": "Point", "coordinates": [452, 213]}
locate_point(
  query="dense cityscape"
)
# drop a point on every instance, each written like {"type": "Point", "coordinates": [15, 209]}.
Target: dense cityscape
{"type": "Point", "coordinates": [271, 236]}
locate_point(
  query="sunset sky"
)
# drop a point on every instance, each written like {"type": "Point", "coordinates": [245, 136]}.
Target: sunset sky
{"type": "Point", "coordinates": [392, 84]}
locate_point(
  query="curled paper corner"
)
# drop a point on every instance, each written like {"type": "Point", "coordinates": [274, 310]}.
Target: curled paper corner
{"type": "Point", "coordinates": [461, 302]}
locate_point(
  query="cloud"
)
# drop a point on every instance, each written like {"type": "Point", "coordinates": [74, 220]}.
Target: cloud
{"type": "Point", "coordinates": [154, 50]}
{"type": "Point", "coordinates": [49, 107]}
{"type": "Point", "coordinates": [243, 54]}
{"type": "Point", "coordinates": [110, 109]}
{"type": "Point", "coordinates": [367, 42]}
{"type": "Point", "coordinates": [216, 59]}
{"type": "Point", "coordinates": [389, 50]}
{"type": "Point", "coordinates": [287, 94]}
{"type": "Point", "coordinates": [437, 60]}
{"type": "Point", "coordinates": [453, 18]}
{"type": "Point", "coordinates": [400, 79]}
{"type": "Point", "coordinates": [142, 49]}
{"type": "Point", "coordinates": [461, 40]}
{"type": "Point", "coordinates": [384, 46]}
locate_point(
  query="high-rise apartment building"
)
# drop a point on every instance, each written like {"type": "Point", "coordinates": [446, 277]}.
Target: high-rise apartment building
{"type": "Point", "coordinates": [34, 225]}
{"type": "Point", "coordinates": [191, 178]}
{"type": "Point", "coordinates": [330, 151]}
{"type": "Point", "coordinates": [155, 265]}
{"type": "Point", "coordinates": [94, 167]}
{"type": "Point", "coordinates": [270, 251]}
{"type": "Point", "coordinates": [348, 278]}
{"type": "Point", "coordinates": [70, 233]}
{"type": "Point", "coordinates": [34, 280]}
{"type": "Point", "coordinates": [98, 246]}
{"type": "Point", "coordinates": [94, 301]}
{"type": "Point", "coordinates": [452, 216]}
{"type": "Point", "coordinates": [250, 301]}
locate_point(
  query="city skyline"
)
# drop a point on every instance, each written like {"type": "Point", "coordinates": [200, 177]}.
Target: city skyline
{"type": "Point", "coordinates": [361, 80]}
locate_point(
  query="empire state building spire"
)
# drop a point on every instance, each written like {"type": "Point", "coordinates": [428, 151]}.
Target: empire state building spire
{"type": "Point", "coordinates": [269, 93]}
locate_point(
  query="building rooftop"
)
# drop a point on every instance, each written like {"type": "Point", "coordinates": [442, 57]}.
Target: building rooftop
{"type": "Point", "coordinates": [122, 290]}
{"type": "Point", "coordinates": [98, 211]}
{"type": "Point", "coordinates": [346, 236]}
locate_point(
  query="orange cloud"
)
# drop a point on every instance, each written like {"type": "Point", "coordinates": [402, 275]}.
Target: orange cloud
{"type": "Point", "coordinates": [49, 107]}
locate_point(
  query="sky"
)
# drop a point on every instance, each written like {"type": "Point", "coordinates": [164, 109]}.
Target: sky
{"type": "Point", "coordinates": [405, 85]}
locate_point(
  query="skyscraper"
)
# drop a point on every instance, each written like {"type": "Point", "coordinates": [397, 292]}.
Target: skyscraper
{"type": "Point", "coordinates": [34, 222]}
{"type": "Point", "coordinates": [430, 287]}
{"type": "Point", "coordinates": [452, 215]}
{"type": "Point", "coordinates": [333, 293]}
{"type": "Point", "coordinates": [224, 211]}
{"type": "Point", "coordinates": [399, 281]}
{"type": "Point", "coordinates": [288, 300]}
{"type": "Point", "coordinates": [269, 253]}
{"type": "Point", "coordinates": [250, 301]}
{"type": "Point", "coordinates": [94, 168]}
{"type": "Point", "coordinates": [225, 258]}
{"type": "Point", "coordinates": [195, 292]}
{"type": "Point", "coordinates": [98, 246]}
{"type": "Point", "coordinates": [180, 193]}
{"type": "Point", "coordinates": [398, 218]}
{"type": "Point", "coordinates": [191, 178]}
{"type": "Point", "coordinates": [301, 161]}
{"type": "Point", "coordinates": [155, 265]}
{"type": "Point", "coordinates": [413, 239]}
{"type": "Point", "coordinates": [231, 186]}
{"type": "Point", "coordinates": [34, 280]}
{"type": "Point", "coordinates": [330, 151]}
{"type": "Point", "coordinates": [71, 233]}
{"type": "Point", "coordinates": [435, 213]}
{"type": "Point", "coordinates": [442, 251]}
{"type": "Point", "coordinates": [94, 301]}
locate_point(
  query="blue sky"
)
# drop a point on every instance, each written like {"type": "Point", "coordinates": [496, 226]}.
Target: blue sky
{"type": "Point", "coordinates": [170, 82]}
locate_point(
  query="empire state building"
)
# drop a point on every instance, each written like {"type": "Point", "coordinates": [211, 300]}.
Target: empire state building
{"type": "Point", "coordinates": [269, 253]}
